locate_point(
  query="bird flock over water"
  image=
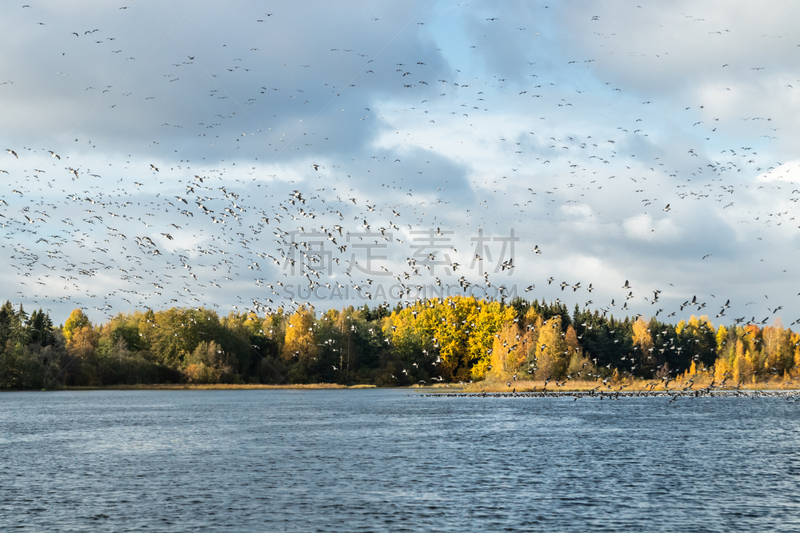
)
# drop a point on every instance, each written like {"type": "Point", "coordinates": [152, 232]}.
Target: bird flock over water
{"type": "Point", "coordinates": [255, 159]}
{"type": "Point", "coordinates": [789, 396]}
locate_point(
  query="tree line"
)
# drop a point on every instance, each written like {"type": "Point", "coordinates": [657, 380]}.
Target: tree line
{"type": "Point", "coordinates": [456, 339]}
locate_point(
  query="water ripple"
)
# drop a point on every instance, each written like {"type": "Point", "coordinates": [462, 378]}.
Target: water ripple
{"type": "Point", "coordinates": [390, 460]}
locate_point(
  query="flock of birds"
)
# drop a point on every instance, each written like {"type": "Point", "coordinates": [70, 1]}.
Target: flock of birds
{"type": "Point", "coordinates": [110, 232]}
{"type": "Point", "coordinates": [789, 396]}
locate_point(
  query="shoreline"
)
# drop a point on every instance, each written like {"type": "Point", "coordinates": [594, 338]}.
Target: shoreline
{"type": "Point", "coordinates": [792, 395]}
{"type": "Point", "coordinates": [189, 386]}
{"type": "Point", "coordinates": [470, 390]}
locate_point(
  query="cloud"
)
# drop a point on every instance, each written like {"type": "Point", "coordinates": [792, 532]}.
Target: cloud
{"type": "Point", "coordinates": [575, 125]}
{"type": "Point", "coordinates": [641, 227]}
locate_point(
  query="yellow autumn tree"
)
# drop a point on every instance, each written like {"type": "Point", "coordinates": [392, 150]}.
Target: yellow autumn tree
{"type": "Point", "coordinates": [578, 363]}
{"type": "Point", "coordinates": [410, 330]}
{"type": "Point", "coordinates": [642, 338]}
{"type": "Point", "coordinates": [83, 343]}
{"type": "Point", "coordinates": [722, 369]}
{"type": "Point", "coordinates": [743, 366]}
{"type": "Point", "coordinates": [778, 348]}
{"type": "Point", "coordinates": [76, 320]}
{"type": "Point", "coordinates": [530, 318]}
{"type": "Point", "coordinates": [534, 329]}
{"type": "Point", "coordinates": [209, 363]}
{"type": "Point", "coordinates": [487, 320]}
{"type": "Point", "coordinates": [507, 353]}
{"type": "Point", "coordinates": [551, 351]}
{"type": "Point", "coordinates": [449, 330]}
{"type": "Point", "coordinates": [82, 346]}
{"type": "Point", "coordinates": [299, 341]}
{"type": "Point", "coordinates": [458, 331]}
{"type": "Point", "coordinates": [722, 339]}
{"type": "Point", "coordinates": [795, 340]}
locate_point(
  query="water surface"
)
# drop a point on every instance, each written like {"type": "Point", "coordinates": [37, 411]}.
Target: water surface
{"type": "Point", "coordinates": [393, 460]}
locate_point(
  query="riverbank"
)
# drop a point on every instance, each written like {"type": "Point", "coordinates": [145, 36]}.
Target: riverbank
{"type": "Point", "coordinates": [498, 387]}
{"type": "Point", "coordinates": [628, 385]}
{"type": "Point", "coordinates": [673, 395]}
{"type": "Point", "coordinates": [222, 386]}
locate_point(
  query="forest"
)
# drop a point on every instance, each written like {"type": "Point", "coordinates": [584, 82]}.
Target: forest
{"type": "Point", "coordinates": [451, 340]}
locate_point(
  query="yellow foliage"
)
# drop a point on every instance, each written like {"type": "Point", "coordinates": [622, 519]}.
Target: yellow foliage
{"type": "Point", "coordinates": [641, 335]}
{"type": "Point", "coordinates": [742, 366]}
{"type": "Point", "coordinates": [579, 365]}
{"type": "Point", "coordinates": [489, 319]}
{"type": "Point", "coordinates": [83, 342]}
{"type": "Point", "coordinates": [459, 329]}
{"type": "Point", "coordinates": [797, 358]}
{"type": "Point", "coordinates": [721, 368]}
{"type": "Point", "coordinates": [551, 350]}
{"type": "Point", "coordinates": [199, 373]}
{"type": "Point", "coordinates": [76, 320]}
{"type": "Point", "coordinates": [299, 340]}
{"type": "Point", "coordinates": [722, 339]}
{"type": "Point", "coordinates": [509, 351]}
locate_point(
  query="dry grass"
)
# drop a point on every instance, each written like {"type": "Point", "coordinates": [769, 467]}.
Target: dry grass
{"type": "Point", "coordinates": [625, 384]}
{"type": "Point", "coordinates": [189, 386]}
{"type": "Point", "coordinates": [699, 381]}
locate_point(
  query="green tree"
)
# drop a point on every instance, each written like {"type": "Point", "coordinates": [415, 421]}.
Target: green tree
{"type": "Point", "coordinates": [40, 328]}
{"type": "Point", "coordinates": [6, 318]}
{"type": "Point", "coordinates": [177, 332]}
{"type": "Point", "coordinates": [20, 333]}
{"type": "Point", "coordinates": [209, 363]}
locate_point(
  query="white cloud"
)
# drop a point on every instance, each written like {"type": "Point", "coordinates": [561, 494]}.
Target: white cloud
{"type": "Point", "coordinates": [574, 131]}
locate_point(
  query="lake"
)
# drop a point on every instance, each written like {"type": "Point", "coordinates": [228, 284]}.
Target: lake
{"type": "Point", "coordinates": [394, 460]}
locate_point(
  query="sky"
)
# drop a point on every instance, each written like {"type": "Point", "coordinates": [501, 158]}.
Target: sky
{"type": "Point", "coordinates": [635, 159]}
